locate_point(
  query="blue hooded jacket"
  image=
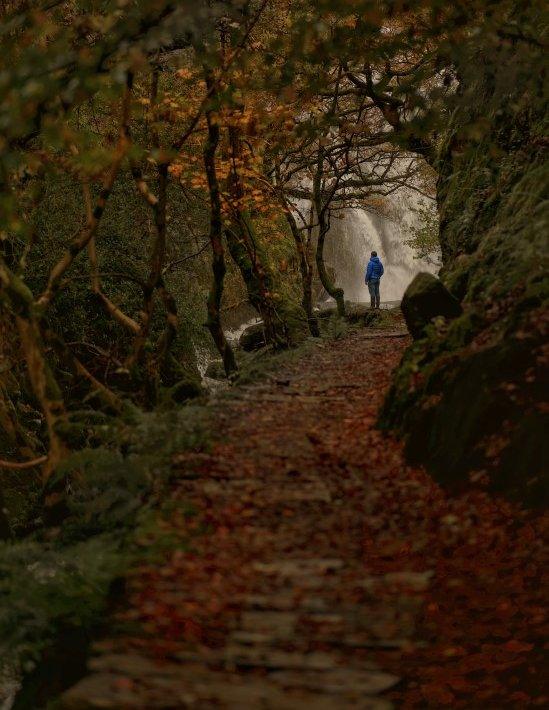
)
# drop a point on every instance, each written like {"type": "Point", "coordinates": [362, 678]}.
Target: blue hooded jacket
{"type": "Point", "coordinates": [375, 269]}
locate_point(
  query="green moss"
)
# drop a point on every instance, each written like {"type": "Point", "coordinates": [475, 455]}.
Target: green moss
{"type": "Point", "coordinates": [462, 330]}
{"type": "Point", "coordinates": [57, 583]}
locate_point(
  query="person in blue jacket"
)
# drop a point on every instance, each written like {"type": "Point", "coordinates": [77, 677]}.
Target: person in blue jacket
{"type": "Point", "coordinates": [374, 272]}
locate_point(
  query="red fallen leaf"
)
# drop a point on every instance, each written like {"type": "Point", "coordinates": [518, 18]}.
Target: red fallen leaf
{"type": "Point", "coordinates": [439, 694]}
{"type": "Point", "coordinates": [528, 533]}
{"type": "Point", "coordinates": [461, 685]}
{"type": "Point", "coordinates": [123, 683]}
{"type": "Point", "coordinates": [514, 646]}
{"type": "Point", "coordinates": [520, 697]}
{"type": "Point", "coordinates": [452, 651]}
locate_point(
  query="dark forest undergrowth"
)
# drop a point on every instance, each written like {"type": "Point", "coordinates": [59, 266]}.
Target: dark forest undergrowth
{"type": "Point", "coordinates": [297, 561]}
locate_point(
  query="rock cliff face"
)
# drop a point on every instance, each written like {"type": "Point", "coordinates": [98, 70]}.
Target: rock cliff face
{"type": "Point", "coordinates": [468, 395]}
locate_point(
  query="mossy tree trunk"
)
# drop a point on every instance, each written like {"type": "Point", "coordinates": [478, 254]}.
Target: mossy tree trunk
{"type": "Point", "coordinates": [43, 383]}
{"type": "Point", "coordinates": [243, 247]}
{"type": "Point", "coordinates": [247, 253]}
{"type": "Point", "coordinates": [216, 241]}
{"type": "Point", "coordinates": [321, 205]}
{"type": "Point", "coordinates": [306, 270]}
{"type": "Point", "coordinates": [334, 291]}
{"type": "Point", "coordinates": [151, 361]}
{"type": "Point", "coordinates": [13, 435]}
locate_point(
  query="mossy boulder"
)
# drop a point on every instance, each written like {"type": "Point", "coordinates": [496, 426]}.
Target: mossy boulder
{"type": "Point", "coordinates": [253, 338]}
{"type": "Point", "coordinates": [185, 390]}
{"type": "Point", "coordinates": [427, 298]}
{"type": "Point", "coordinates": [326, 312]}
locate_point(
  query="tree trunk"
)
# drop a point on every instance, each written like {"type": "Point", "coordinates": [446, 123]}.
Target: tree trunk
{"type": "Point", "coordinates": [306, 270]}
{"type": "Point", "coordinates": [245, 250]}
{"type": "Point", "coordinates": [321, 208]}
{"type": "Point", "coordinates": [46, 390]}
{"type": "Point", "coordinates": [43, 383]}
{"type": "Point", "coordinates": [5, 529]}
{"type": "Point", "coordinates": [336, 293]}
{"type": "Point", "coordinates": [218, 257]}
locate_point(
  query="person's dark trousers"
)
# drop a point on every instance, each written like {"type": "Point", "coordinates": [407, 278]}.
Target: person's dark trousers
{"type": "Point", "coordinates": [373, 288]}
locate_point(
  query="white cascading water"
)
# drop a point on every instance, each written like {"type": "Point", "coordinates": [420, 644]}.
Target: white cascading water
{"type": "Point", "coordinates": [357, 233]}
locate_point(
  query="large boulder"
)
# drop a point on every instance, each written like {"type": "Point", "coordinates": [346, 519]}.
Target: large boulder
{"type": "Point", "coordinates": [427, 298]}
{"type": "Point", "coordinates": [253, 338]}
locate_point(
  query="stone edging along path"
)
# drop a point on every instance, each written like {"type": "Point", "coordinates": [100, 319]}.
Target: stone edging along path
{"type": "Point", "coordinates": [329, 574]}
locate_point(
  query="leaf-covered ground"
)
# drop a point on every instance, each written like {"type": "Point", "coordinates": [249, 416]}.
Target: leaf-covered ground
{"type": "Point", "coordinates": [324, 572]}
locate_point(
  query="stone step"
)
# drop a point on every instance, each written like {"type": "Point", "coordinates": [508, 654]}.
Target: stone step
{"type": "Point", "coordinates": [200, 691]}
{"type": "Point", "coordinates": [239, 656]}
{"type": "Point", "coordinates": [286, 602]}
{"type": "Point", "coordinates": [298, 567]}
{"type": "Point", "coordinates": [339, 680]}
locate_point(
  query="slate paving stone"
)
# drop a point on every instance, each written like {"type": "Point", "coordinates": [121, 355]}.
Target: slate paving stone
{"type": "Point", "coordinates": [277, 622]}
{"type": "Point", "coordinates": [298, 567]}
{"type": "Point", "coordinates": [280, 691]}
{"type": "Point", "coordinates": [340, 680]}
{"type": "Point", "coordinates": [302, 614]}
{"type": "Point", "coordinates": [285, 602]}
{"type": "Point", "coordinates": [242, 657]}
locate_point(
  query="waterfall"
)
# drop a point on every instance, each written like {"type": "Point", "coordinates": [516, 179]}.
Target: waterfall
{"type": "Point", "coordinates": [357, 233]}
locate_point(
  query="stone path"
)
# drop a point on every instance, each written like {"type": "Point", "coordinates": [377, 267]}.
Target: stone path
{"type": "Point", "coordinates": [284, 600]}
{"type": "Point", "coordinates": [304, 615]}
